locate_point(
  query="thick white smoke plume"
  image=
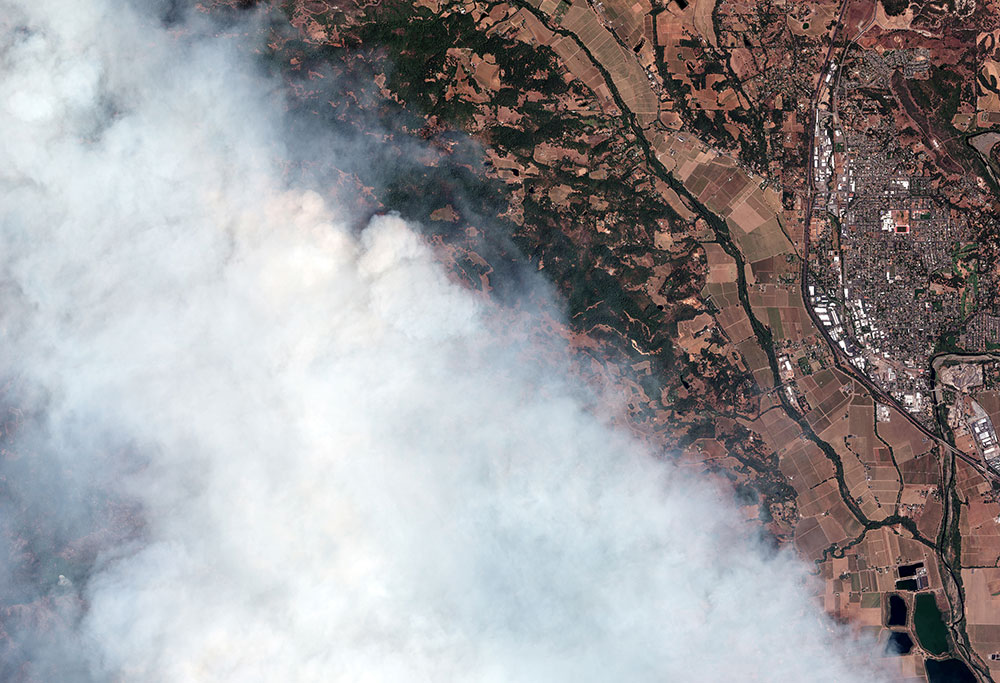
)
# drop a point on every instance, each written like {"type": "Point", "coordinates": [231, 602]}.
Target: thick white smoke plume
{"type": "Point", "coordinates": [312, 457]}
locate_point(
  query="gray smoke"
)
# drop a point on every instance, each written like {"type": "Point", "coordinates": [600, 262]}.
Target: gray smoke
{"type": "Point", "coordinates": [252, 445]}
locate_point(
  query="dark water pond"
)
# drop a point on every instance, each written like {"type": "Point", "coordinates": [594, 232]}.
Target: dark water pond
{"type": "Point", "coordinates": [899, 643]}
{"type": "Point", "coordinates": [897, 611]}
{"type": "Point", "coordinates": [927, 621]}
{"type": "Point", "coordinates": [948, 671]}
{"type": "Point", "coordinates": [909, 569]}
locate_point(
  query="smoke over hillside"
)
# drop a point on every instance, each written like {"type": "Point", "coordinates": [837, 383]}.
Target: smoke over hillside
{"type": "Point", "coordinates": [250, 444]}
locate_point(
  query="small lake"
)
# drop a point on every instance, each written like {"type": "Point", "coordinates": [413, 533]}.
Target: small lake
{"type": "Point", "coordinates": [897, 611]}
{"type": "Point", "coordinates": [948, 671]}
{"type": "Point", "coordinates": [928, 624]}
{"type": "Point", "coordinates": [899, 643]}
